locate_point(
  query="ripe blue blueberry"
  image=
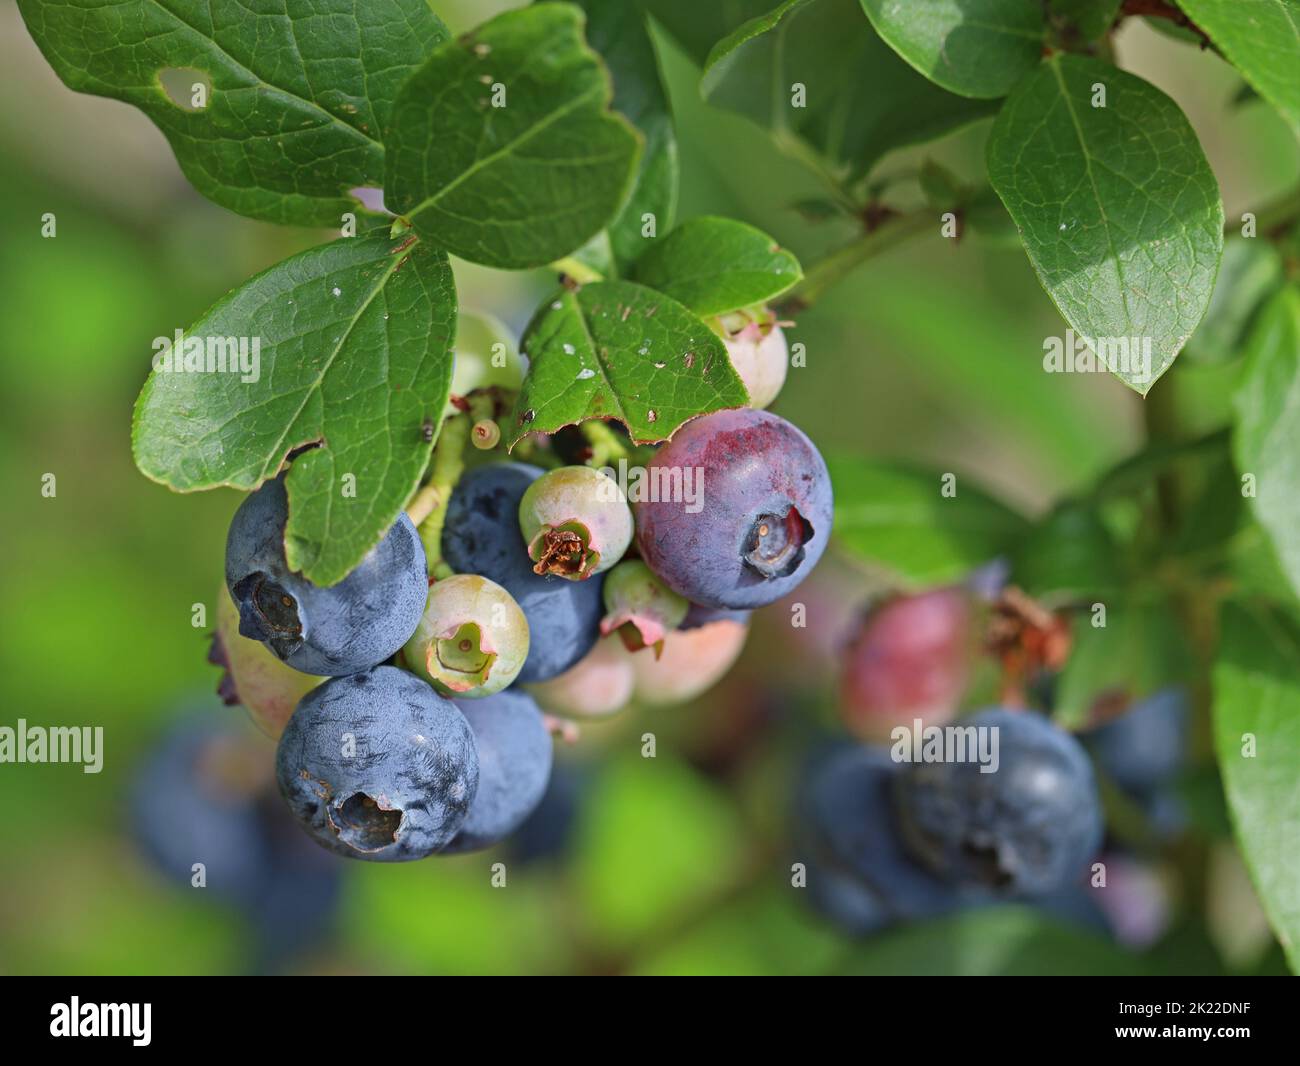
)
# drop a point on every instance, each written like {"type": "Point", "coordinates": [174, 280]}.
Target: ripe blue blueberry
{"type": "Point", "coordinates": [761, 519]}
{"type": "Point", "coordinates": [192, 802]}
{"type": "Point", "coordinates": [849, 819]}
{"type": "Point", "coordinates": [1026, 829]}
{"type": "Point", "coordinates": [575, 521]}
{"type": "Point", "coordinates": [378, 766]}
{"type": "Point", "coordinates": [1145, 746]}
{"type": "Point", "coordinates": [514, 765]}
{"type": "Point", "coordinates": [548, 831]}
{"type": "Point", "coordinates": [202, 796]}
{"type": "Point", "coordinates": [331, 631]}
{"type": "Point", "coordinates": [845, 901]}
{"type": "Point", "coordinates": [481, 536]}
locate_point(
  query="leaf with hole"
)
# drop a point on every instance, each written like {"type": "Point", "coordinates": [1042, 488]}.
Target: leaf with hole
{"type": "Point", "coordinates": [715, 265]}
{"type": "Point", "coordinates": [1118, 209]}
{"type": "Point", "coordinates": [353, 343]}
{"type": "Point", "coordinates": [298, 93]}
{"type": "Point", "coordinates": [502, 148]}
{"type": "Point", "coordinates": [616, 349]}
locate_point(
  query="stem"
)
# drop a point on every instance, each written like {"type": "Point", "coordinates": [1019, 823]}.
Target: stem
{"type": "Point", "coordinates": [1162, 9]}
{"type": "Point", "coordinates": [828, 273]}
{"type": "Point", "coordinates": [606, 445]}
{"type": "Point", "coordinates": [446, 467]}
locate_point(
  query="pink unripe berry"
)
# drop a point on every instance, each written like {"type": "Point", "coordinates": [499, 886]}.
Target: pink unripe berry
{"type": "Point", "coordinates": [598, 686]}
{"type": "Point", "coordinates": [693, 661]}
{"type": "Point", "coordinates": [910, 657]}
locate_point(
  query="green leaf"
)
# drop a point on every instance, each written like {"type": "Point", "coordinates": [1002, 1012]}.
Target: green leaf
{"type": "Point", "coordinates": [859, 101]}
{"type": "Point", "coordinates": [1069, 553]}
{"type": "Point", "coordinates": [655, 840]}
{"type": "Point", "coordinates": [1250, 272]}
{"type": "Point", "coordinates": [698, 27]}
{"type": "Point", "coordinates": [355, 341]}
{"type": "Point", "coordinates": [1091, 17]}
{"type": "Point", "coordinates": [977, 48]}
{"type": "Point", "coordinates": [618, 31]}
{"type": "Point", "coordinates": [1140, 649]}
{"type": "Point", "coordinates": [901, 519]}
{"type": "Point", "coordinates": [1261, 38]}
{"type": "Point", "coordinates": [616, 349]}
{"type": "Point", "coordinates": [1117, 208]}
{"type": "Point", "coordinates": [716, 265]}
{"type": "Point", "coordinates": [988, 941]}
{"type": "Point", "coordinates": [501, 147]}
{"type": "Point", "coordinates": [299, 93]}
{"type": "Point", "coordinates": [1257, 703]}
{"type": "Point", "coordinates": [1267, 439]}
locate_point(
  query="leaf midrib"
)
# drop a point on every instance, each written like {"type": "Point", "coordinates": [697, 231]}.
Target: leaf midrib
{"type": "Point", "coordinates": [1054, 64]}
{"type": "Point", "coordinates": [509, 147]}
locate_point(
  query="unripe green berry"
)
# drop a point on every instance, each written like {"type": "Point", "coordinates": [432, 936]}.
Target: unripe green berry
{"type": "Point", "coordinates": [472, 639]}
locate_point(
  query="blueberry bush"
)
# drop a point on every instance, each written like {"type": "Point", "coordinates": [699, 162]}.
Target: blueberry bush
{"type": "Point", "coordinates": [459, 540]}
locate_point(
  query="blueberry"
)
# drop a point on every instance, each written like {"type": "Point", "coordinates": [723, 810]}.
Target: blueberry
{"type": "Point", "coordinates": [640, 607]}
{"type": "Point", "coordinates": [909, 657]}
{"type": "Point", "coordinates": [338, 630]}
{"type": "Point", "coordinates": [1146, 746]}
{"type": "Point", "coordinates": [758, 353]}
{"type": "Point", "coordinates": [599, 685]}
{"type": "Point", "coordinates": [1025, 830]}
{"type": "Point", "coordinates": [761, 518]}
{"type": "Point", "coordinates": [192, 802]}
{"type": "Point", "coordinates": [481, 536]}
{"type": "Point", "coordinates": [514, 765]}
{"type": "Point", "coordinates": [300, 894]}
{"type": "Point", "coordinates": [845, 901]}
{"type": "Point", "coordinates": [547, 833]}
{"type": "Point", "coordinates": [252, 674]}
{"type": "Point", "coordinates": [202, 796]}
{"type": "Point", "coordinates": [378, 766]}
{"type": "Point", "coordinates": [692, 662]}
{"type": "Point", "coordinates": [472, 639]}
{"type": "Point", "coordinates": [849, 817]}
{"type": "Point", "coordinates": [575, 521]}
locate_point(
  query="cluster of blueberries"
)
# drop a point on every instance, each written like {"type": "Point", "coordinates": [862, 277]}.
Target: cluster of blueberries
{"type": "Point", "coordinates": [421, 731]}
{"type": "Point", "coordinates": [885, 840]}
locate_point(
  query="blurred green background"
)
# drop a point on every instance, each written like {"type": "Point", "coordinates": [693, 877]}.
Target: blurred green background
{"type": "Point", "coordinates": [677, 864]}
